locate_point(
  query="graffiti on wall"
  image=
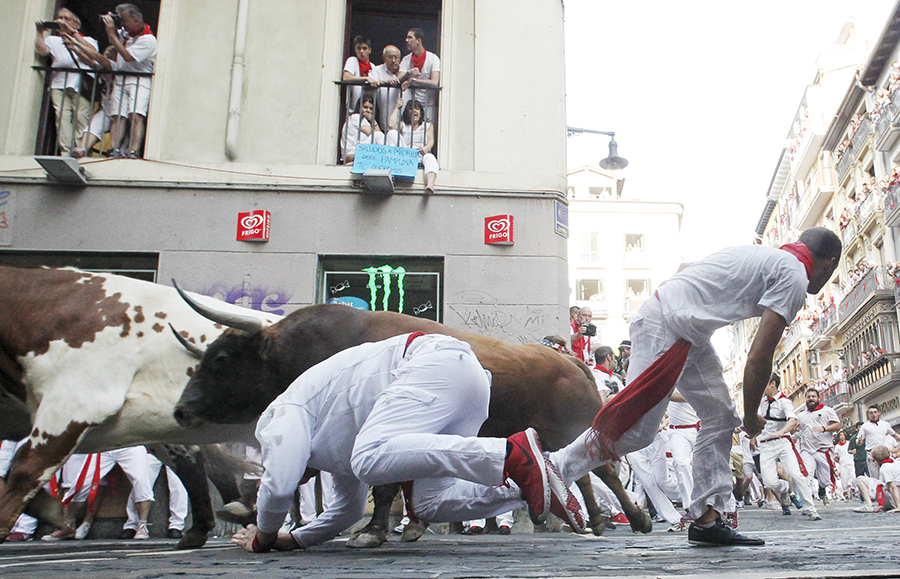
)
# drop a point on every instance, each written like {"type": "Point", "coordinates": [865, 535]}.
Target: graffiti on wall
{"type": "Point", "coordinates": [253, 297]}
{"type": "Point", "coordinates": [481, 313]}
{"type": "Point", "coordinates": [6, 216]}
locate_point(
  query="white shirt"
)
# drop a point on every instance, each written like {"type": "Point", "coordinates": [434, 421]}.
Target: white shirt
{"type": "Point", "coordinates": [733, 284]}
{"type": "Point", "coordinates": [875, 433]}
{"type": "Point", "coordinates": [681, 414]}
{"type": "Point", "coordinates": [142, 48]}
{"type": "Point", "coordinates": [777, 413]}
{"type": "Point", "coordinates": [609, 384]}
{"type": "Point", "coordinates": [385, 98]}
{"type": "Point", "coordinates": [843, 454]}
{"type": "Point", "coordinates": [426, 97]}
{"type": "Point", "coordinates": [62, 58]}
{"type": "Point", "coordinates": [889, 472]}
{"type": "Point", "coordinates": [809, 421]}
{"type": "Point", "coordinates": [351, 135]}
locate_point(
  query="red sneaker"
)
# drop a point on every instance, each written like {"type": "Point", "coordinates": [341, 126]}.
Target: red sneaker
{"type": "Point", "coordinates": [563, 503]}
{"type": "Point", "coordinates": [620, 519]}
{"type": "Point", "coordinates": [17, 536]}
{"type": "Point", "coordinates": [527, 467]}
{"type": "Point", "coordinates": [60, 534]}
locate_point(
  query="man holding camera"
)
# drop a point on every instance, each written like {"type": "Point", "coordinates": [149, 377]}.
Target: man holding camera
{"type": "Point", "coordinates": [73, 110]}
{"type": "Point", "coordinates": [130, 99]}
{"type": "Point", "coordinates": [583, 334]}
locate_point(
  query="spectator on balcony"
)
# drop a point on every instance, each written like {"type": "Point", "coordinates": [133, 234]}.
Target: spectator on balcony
{"type": "Point", "coordinates": [420, 68]}
{"type": "Point", "coordinates": [874, 352]}
{"type": "Point", "coordinates": [418, 133]}
{"type": "Point", "coordinates": [136, 47]}
{"type": "Point", "coordinates": [357, 69]}
{"type": "Point", "coordinates": [360, 128]}
{"type": "Point", "coordinates": [101, 120]}
{"type": "Point", "coordinates": [384, 78]}
{"type": "Point", "coordinates": [73, 109]}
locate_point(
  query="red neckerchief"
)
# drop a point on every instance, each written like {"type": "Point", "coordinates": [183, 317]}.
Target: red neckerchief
{"type": "Point", "coordinates": [146, 30]}
{"type": "Point", "coordinates": [603, 369]}
{"type": "Point", "coordinates": [819, 407]}
{"type": "Point", "coordinates": [769, 399]}
{"type": "Point", "coordinates": [364, 67]}
{"type": "Point", "coordinates": [419, 61]}
{"type": "Point", "coordinates": [875, 422]}
{"type": "Point", "coordinates": [801, 252]}
{"type": "Point", "coordinates": [842, 443]}
{"type": "Point", "coordinates": [887, 460]}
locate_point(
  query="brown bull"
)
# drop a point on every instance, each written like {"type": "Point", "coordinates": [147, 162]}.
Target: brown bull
{"type": "Point", "coordinates": [243, 371]}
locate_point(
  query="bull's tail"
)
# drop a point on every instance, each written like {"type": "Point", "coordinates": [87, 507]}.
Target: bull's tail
{"type": "Point", "coordinates": [646, 391]}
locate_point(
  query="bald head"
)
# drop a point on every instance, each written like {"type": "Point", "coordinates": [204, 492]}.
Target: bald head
{"type": "Point", "coordinates": [391, 57]}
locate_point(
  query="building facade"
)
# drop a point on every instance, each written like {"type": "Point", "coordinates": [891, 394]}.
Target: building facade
{"type": "Point", "coordinates": [620, 249]}
{"type": "Point", "coordinates": [840, 170]}
{"type": "Point", "coordinates": [245, 115]}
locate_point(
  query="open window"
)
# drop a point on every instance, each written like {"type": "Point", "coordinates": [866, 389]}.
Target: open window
{"type": "Point", "coordinates": [384, 23]}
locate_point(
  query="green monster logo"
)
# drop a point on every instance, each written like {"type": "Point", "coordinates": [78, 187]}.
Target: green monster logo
{"type": "Point", "coordinates": [386, 272]}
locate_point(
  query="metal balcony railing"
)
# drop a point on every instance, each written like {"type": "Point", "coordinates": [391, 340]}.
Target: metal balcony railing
{"type": "Point", "coordinates": [856, 295]}
{"type": "Point", "coordinates": [101, 87]}
{"type": "Point", "coordinates": [384, 100]}
{"type": "Point", "coordinates": [825, 321]}
{"type": "Point", "coordinates": [891, 203]}
{"type": "Point", "coordinates": [848, 233]}
{"type": "Point", "coordinates": [867, 208]}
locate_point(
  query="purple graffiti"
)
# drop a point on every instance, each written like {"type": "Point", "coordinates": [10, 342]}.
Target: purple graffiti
{"type": "Point", "coordinates": [261, 299]}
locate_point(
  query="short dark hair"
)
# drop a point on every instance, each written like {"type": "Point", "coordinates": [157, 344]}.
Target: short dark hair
{"type": "Point", "coordinates": [875, 406]}
{"type": "Point", "coordinates": [602, 352]}
{"type": "Point", "coordinates": [775, 378]}
{"type": "Point", "coordinates": [361, 39]}
{"type": "Point", "coordinates": [418, 33]}
{"type": "Point", "coordinates": [822, 242]}
{"type": "Point", "coordinates": [812, 389]}
{"type": "Point", "coordinates": [131, 10]}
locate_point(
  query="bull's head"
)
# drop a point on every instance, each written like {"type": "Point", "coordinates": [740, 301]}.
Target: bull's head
{"type": "Point", "coordinates": [233, 383]}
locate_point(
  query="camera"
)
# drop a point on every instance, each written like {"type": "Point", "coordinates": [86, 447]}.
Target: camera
{"type": "Point", "coordinates": [589, 330]}
{"type": "Point", "coordinates": [50, 25]}
{"type": "Point", "coordinates": [117, 21]}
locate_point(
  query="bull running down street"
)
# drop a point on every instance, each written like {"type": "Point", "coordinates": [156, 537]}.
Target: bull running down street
{"type": "Point", "coordinates": [846, 544]}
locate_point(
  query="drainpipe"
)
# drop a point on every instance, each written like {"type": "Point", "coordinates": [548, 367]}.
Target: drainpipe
{"type": "Point", "coordinates": [237, 81]}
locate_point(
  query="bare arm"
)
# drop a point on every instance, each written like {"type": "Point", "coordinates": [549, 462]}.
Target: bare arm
{"type": "Point", "coordinates": [86, 53]}
{"type": "Point", "coordinates": [429, 142]}
{"type": "Point", "coordinates": [677, 397]}
{"type": "Point", "coordinates": [434, 80]}
{"type": "Point", "coordinates": [40, 45]}
{"type": "Point", "coordinates": [759, 368]}
{"type": "Point", "coordinates": [394, 121]}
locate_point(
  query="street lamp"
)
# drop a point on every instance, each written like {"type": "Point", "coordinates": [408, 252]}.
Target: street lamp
{"type": "Point", "coordinates": [613, 162]}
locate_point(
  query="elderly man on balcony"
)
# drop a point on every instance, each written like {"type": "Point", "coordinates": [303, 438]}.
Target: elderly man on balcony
{"type": "Point", "coordinates": [73, 110]}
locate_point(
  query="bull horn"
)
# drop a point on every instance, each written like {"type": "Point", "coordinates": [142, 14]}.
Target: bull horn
{"type": "Point", "coordinates": [248, 324]}
{"type": "Point", "coordinates": [196, 351]}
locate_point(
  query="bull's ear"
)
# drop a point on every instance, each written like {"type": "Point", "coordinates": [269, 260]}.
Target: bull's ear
{"type": "Point", "coordinates": [267, 344]}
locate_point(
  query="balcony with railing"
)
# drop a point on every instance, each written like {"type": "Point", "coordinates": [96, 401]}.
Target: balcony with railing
{"type": "Point", "coordinates": [798, 330]}
{"type": "Point", "coordinates": [377, 107]}
{"type": "Point", "coordinates": [892, 203]}
{"type": "Point", "coordinates": [837, 395]}
{"type": "Point", "coordinates": [887, 127]}
{"type": "Point", "coordinates": [823, 325]}
{"type": "Point", "coordinates": [867, 208]}
{"type": "Point", "coordinates": [849, 151]}
{"type": "Point", "coordinates": [866, 287]}
{"type": "Point", "coordinates": [96, 98]}
{"type": "Point", "coordinates": [848, 232]}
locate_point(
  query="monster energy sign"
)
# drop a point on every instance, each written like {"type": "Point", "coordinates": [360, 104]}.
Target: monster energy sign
{"type": "Point", "coordinates": [384, 288]}
{"type": "Point", "coordinates": [386, 272]}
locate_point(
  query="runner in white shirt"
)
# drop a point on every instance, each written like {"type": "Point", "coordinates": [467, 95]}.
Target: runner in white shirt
{"type": "Point", "coordinates": [845, 464]}
{"type": "Point", "coordinates": [684, 424]}
{"type": "Point", "coordinates": [404, 409]}
{"type": "Point", "coordinates": [671, 338]}
{"type": "Point", "coordinates": [875, 432]}
{"type": "Point", "coordinates": [818, 423]}
{"type": "Point", "coordinates": [885, 487]}
{"type": "Point", "coordinates": [776, 445]}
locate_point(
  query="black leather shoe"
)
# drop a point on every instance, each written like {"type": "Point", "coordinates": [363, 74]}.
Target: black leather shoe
{"type": "Point", "coordinates": [720, 535]}
{"type": "Point", "coordinates": [127, 534]}
{"type": "Point", "coordinates": [174, 534]}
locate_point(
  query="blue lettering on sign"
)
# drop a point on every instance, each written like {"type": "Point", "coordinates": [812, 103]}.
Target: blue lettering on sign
{"type": "Point", "coordinates": [400, 161]}
{"type": "Point", "coordinates": [3, 196]}
{"type": "Point", "coordinates": [351, 301]}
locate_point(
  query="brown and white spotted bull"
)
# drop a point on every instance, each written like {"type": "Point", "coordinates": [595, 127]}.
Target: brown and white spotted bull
{"type": "Point", "coordinates": [93, 358]}
{"type": "Point", "coordinates": [245, 369]}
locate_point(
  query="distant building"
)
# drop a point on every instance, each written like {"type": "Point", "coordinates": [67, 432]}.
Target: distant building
{"type": "Point", "coordinates": [620, 250]}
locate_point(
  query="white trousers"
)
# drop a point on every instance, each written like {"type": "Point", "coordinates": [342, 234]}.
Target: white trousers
{"type": "Point", "coordinates": [429, 436]}
{"type": "Point", "coordinates": [308, 495]}
{"type": "Point", "coordinates": [133, 461]}
{"type": "Point", "coordinates": [817, 466]}
{"type": "Point", "coordinates": [428, 161]}
{"type": "Point", "coordinates": [178, 497]}
{"type": "Point", "coordinates": [681, 443]}
{"type": "Point", "coordinates": [649, 466]}
{"type": "Point", "coordinates": [703, 387]}
{"type": "Point", "coordinates": [780, 450]}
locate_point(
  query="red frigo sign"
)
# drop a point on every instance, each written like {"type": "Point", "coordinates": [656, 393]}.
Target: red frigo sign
{"type": "Point", "coordinates": [253, 226]}
{"type": "Point", "coordinates": [498, 230]}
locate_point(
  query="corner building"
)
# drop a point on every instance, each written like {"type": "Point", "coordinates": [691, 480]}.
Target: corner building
{"type": "Point", "coordinates": [245, 115]}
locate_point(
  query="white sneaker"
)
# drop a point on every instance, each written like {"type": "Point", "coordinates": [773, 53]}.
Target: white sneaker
{"type": "Point", "coordinates": [813, 515]}
{"type": "Point", "coordinates": [142, 532]}
{"type": "Point", "coordinates": [82, 531]}
{"type": "Point", "coordinates": [865, 509]}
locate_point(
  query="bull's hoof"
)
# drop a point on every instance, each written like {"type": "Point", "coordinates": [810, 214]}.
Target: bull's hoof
{"type": "Point", "coordinates": [641, 523]}
{"type": "Point", "coordinates": [412, 532]}
{"type": "Point", "coordinates": [193, 539]}
{"type": "Point", "coordinates": [238, 513]}
{"type": "Point", "coordinates": [367, 539]}
{"type": "Point", "coordinates": [597, 524]}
